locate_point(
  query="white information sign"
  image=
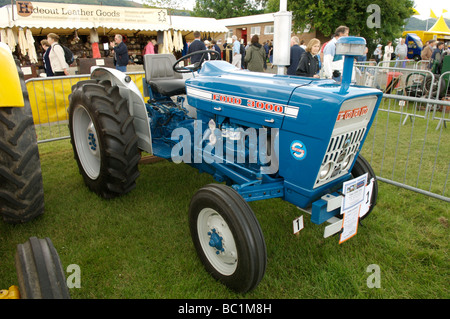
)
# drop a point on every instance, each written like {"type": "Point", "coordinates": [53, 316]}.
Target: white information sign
{"type": "Point", "coordinates": [365, 206]}
{"type": "Point", "coordinates": [298, 224]}
{"type": "Point", "coordinates": [353, 191]}
{"type": "Point", "coordinates": [353, 202]}
{"type": "Point", "coordinates": [27, 70]}
{"type": "Point", "coordinates": [350, 223]}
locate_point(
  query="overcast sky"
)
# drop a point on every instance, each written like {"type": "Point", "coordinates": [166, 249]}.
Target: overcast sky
{"type": "Point", "coordinates": [424, 6]}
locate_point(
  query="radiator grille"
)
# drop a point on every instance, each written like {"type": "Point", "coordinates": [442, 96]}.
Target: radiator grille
{"type": "Point", "coordinates": [339, 156]}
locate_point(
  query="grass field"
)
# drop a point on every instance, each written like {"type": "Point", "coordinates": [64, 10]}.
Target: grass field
{"type": "Point", "coordinates": [139, 245]}
{"type": "Point", "coordinates": [412, 152]}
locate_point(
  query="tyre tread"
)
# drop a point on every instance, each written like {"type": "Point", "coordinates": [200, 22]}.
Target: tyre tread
{"type": "Point", "coordinates": [21, 184]}
{"type": "Point", "coordinates": [39, 270]}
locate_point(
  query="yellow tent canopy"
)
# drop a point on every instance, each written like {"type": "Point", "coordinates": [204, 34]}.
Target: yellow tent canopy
{"type": "Point", "coordinates": [440, 26]}
{"type": "Point", "coordinates": [439, 31]}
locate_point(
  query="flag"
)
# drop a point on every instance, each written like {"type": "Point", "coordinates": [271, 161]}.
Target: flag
{"type": "Point", "coordinates": [416, 13]}
{"type": "Point", "coordinates": [444, 11]}
{"type": "Point", "coordinates": [432, 15]}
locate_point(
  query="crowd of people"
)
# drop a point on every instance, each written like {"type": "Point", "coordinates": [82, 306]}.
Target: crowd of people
{"type": "Point", "coordinates": [314, 59]}
{"type": "Point", "coordinates": [433, 51]}
{"type": "Point", "coordinates": [55, 63]}
{"type": "Point", "coordinates": [305, 59]}
{"type": "Point", "coordinates": [389, 53]}
{"type": "Point", "coordinates": [308, 60]}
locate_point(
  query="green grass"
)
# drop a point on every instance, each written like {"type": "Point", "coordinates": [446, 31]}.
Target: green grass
{"type": "Point", "coordinates": [52, 131]}
{"type": "Point", "coordinates": [139, 245]}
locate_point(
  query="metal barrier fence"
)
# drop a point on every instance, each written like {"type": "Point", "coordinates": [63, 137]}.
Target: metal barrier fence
{"type": "Point", "coordinates": [444, 90]}
{"type": "Point", "coordinates": [402, 146]}
{"type": "Point", "coordinates": [49, 99]}
{"type": "Point", "coordinates": [49, 102]}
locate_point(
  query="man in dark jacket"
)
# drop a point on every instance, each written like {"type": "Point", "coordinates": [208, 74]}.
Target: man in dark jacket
{"type": "Point", "coordinates": [196, 45]}
{"type": "Point", "coordinates": [437, 58]}
{"type": "Point", "coordinates": [296, 54]}
{"type": "Point", "coordinates": [120, 53]}
{"type": "Point", "coordinates": [215, 47]}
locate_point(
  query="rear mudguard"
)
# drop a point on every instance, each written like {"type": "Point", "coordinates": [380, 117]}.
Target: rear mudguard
{"type": "Point", "coordinates": [10, 89]}
{"type": "Point", "coordinates": [136, 104]}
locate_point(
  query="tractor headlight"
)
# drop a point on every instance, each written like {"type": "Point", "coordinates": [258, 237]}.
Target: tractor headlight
{"type": "Point", "coordinates": [212, 138]}
{"type": "Point", "coordinates": [325, 170]}
{"type": "Point", "coordinates": [347, 161]}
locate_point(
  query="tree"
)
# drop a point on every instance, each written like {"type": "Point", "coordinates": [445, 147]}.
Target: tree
{"type": "Point", "coordinates": [326, 15]}
{"type": "Point", "coordinates": [170, 4]}
{"type": "Point", "coordinates": [223, 9]}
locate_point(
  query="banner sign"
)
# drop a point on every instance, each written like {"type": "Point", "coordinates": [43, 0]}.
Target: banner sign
{"type": "Point", "coordinates": [66, 12]}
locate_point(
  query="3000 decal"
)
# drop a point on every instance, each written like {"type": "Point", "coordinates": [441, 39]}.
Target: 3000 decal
{"type": "Point", "coordinates": [260, 105]}
{"type": "Point", "coordinates": [263, 106]}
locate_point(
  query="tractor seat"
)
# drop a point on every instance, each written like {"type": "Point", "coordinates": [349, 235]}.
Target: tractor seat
{"type": "Point", "coordinates": [160, 75]}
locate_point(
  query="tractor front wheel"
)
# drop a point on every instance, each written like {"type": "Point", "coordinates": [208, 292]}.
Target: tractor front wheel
{"type": "Point", "coordinates": [39, 270]}
{"type": "Point", "coordinates": [361, 167]}
{"type": "Point", "coordinates": [227, 237]}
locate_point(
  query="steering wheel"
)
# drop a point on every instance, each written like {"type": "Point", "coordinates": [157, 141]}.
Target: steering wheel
{"type": "Point", "coordinates": [214, 55]}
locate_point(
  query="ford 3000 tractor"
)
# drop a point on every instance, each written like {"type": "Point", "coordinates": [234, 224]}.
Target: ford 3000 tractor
{"type": "Point", "coordinates": [260, 136]}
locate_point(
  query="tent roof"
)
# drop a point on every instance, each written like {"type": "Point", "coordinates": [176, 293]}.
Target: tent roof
{"type": "Point", "coordinates": [440, 26]}
{"type": "Point", "coordinates": [179, 23]}
{"type": "Point", "coordinates": [61, 24]}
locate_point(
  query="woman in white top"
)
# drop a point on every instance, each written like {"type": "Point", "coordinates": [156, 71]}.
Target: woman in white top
{"type": "Point", "coordinates": [388, 50]}
{"type": "Point", "coordinates": [56, 56]}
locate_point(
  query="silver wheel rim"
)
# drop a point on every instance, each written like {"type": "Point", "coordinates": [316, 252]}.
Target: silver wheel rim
{"type": "Point", "coordinates": [210, 226]}
{"type": "Point", "coordinates": [86, 142]}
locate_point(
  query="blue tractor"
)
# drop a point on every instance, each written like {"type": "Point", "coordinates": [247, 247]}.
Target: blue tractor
{"type": "Point", "coordinates": [261, 136]}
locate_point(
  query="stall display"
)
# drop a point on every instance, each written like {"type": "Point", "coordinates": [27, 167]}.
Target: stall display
{"type": "Point", "coordinates": [87, 31]}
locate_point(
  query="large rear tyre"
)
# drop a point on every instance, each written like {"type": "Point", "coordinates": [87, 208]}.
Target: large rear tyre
{"type": "Point", "coordinates": [227, 237]}
{"type": "Point", "coordinates": [361, 167]}
{"type": "Point", "coordinates": [103, 138]}
{"type": "Point", "coordinates": [21, 187]}
{"type": "Point", "coordinates": [39, 271]}
{"type": "Point", "coordinates": [429, 85]}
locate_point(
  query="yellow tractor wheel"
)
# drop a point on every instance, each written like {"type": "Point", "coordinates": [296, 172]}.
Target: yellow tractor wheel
{"type": "Point", "coordinates": [21, 187]}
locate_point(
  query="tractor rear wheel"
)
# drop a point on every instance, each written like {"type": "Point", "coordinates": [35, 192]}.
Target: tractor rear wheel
{"type": "Point", "coordinates": [227, 237]}
{"type": "Point", "coordinates": [103, 138]}
{"type": "Point", "coordinates": [429, 85]}
{"type": "Point", "coordinates": [21, 187]}
{"type": "Point", "coordinates": [361, 167]}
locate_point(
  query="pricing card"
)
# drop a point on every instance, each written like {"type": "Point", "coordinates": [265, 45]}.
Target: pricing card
{"type": "Point", "coordinates": [354, 197]}
{"type": "Point", "coordinates": [350, 223]}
